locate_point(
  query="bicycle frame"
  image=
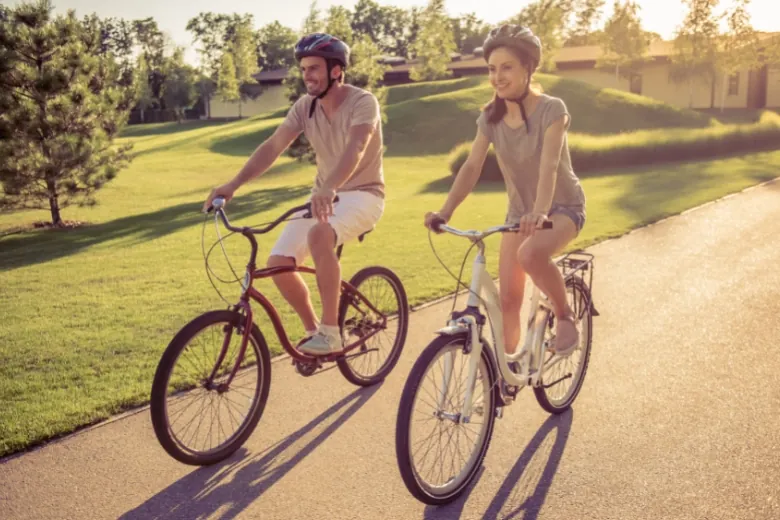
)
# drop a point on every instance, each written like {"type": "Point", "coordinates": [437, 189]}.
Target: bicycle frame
{"type": "Point", "coordinates": [250, 293]}
{"type": "Point", "coordinates": [483, 291]}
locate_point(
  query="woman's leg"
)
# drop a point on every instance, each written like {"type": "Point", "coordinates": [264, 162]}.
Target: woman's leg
{"type": "Point", "coordinates": [535, 257]}
{"type": "Point", "coordinates": [511, 284]}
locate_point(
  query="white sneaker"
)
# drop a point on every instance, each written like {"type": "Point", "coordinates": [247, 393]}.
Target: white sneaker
{"type": "Point", "coordinates": [322, 344]}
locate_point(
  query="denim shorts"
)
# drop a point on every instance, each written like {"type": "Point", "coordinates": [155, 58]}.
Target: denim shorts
{"type": "Point", "coordinates": [576, 212]}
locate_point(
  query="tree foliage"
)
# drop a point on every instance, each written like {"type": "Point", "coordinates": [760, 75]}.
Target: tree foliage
{"type": "Point", "coordinates": [434, 44]}
{"type": "Point", "coordinates": [624, 42]}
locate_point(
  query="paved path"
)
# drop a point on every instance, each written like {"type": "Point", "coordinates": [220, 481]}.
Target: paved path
{"type": "Point", "coordinates": [678, 418]}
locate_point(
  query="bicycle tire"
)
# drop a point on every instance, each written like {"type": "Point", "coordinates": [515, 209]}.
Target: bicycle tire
{"type": "Point", "coordinates": [347, 370]}
{"type": "Point", "coordinates": [409, 474]}
{"type": "Point", "coordinates": [158, 402]}
{"type": "Point", "coordinates": [575, 284]}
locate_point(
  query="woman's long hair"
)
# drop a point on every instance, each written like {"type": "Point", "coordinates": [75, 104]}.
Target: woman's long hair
{"type": "Point", "coordinates": [496, 107]}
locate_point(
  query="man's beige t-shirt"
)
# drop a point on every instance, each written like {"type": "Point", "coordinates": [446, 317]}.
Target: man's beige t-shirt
{"type": "Point", "coordinates": [329, 138]}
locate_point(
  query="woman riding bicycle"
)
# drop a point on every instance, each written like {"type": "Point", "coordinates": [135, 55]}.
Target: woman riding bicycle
{"type": "Point", "coordinates": [528, 131]}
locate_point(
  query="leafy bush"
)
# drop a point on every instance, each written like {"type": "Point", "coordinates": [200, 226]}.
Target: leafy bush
{"type": "Point", "coordinates": [590, 153]}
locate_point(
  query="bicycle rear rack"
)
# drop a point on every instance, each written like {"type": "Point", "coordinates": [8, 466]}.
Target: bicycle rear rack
{"type": "Point", "coordinates": [579, 262]}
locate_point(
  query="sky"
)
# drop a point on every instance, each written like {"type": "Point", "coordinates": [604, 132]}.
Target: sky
{"type": "Point", "coordinates": [660, 16]}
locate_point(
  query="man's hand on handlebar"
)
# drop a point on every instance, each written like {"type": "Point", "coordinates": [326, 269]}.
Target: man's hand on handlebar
{"type": "Point", "coordinates": [226, 191]}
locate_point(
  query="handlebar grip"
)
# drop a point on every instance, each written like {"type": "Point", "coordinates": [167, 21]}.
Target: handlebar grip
{"type": "Point", "coordinates": [436, 223]}
{"type": "Point", "coordinates": [217, 203]}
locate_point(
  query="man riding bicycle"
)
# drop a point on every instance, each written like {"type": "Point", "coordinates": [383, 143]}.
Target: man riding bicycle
{"type": "Point", "coordinates": [342, 123]}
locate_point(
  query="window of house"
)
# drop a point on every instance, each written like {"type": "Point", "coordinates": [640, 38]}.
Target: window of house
{"type": "Point", "coordinates": [734, 84]}
{"type": "Point", "coordinates": [635, 83]}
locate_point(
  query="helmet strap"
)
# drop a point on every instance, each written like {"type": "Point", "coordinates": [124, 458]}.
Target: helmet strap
{"type": "Point", "coordinates": [519, 101]}
{"type": "Point", "coordinates": [324, 92]}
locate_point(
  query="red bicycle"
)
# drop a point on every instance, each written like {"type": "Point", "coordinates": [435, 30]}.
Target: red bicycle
{"type": "Point", "coordinates": [209, 373]}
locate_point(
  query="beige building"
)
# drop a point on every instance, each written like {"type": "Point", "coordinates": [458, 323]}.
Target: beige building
{"type": "Point", "coordinates": [746, 89]}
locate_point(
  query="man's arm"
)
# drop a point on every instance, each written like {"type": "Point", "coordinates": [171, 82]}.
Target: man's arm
{"type": "Point", "coordinates": [262, 159]}
{"type": "Point", "coordinates": [265, 155]}
{"type": "Point", "coordinates": [357, 142]}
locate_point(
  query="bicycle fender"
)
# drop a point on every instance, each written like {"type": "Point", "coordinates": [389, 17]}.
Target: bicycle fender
{"type": "Point", "coordinates": [453, 330]}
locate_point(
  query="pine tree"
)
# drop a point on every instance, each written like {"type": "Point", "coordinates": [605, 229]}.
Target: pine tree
{"type": "Point", "coordinates": [62, 104]}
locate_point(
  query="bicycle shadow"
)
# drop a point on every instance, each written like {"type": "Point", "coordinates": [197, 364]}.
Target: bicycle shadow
{"type": "Point", "coordinates": [453, 509]}
{"type": "Point", "coordinates": [521, 476]}
{"type": "Point", "coordinates": [230, 487]}
{"type": "Point", "coordinates": [518, 487]}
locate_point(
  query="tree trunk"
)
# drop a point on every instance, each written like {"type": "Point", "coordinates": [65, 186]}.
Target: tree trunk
{"type": "Point", "coordinates": [54, 205]}
{"type": "Point", "coordinates": [239, 108]}
{"type": "Point", "coordinates": [712, 92]}
{"type": "Point", "coordinates": [723, 94]}
{"type": "Point", "coordinates": [690, 93]}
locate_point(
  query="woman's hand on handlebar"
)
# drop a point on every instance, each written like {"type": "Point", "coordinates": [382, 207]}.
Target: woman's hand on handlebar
{"type": "Point", "coordinates": [433, 219]}
{"type": "Point", "coordinates": [226, 191]}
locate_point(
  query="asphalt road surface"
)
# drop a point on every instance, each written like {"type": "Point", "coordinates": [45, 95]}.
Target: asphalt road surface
{"type": "Point", "coordinates": [679, 416]}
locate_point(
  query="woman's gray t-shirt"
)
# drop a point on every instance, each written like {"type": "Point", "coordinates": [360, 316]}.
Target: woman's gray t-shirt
{"type": "Point", "coordinates": [519, 153]}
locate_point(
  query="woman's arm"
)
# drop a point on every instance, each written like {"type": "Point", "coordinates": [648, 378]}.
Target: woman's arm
{"type": "Point", "coordinates": [467, 176]}
{"type": "Point", "coordinates": [548, 167]}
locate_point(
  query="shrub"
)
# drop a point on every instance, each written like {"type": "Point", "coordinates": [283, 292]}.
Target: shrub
{"type": "Point", "coordinates": [591, 153]}
{"type": "Point", "coordinates": [490, 169]}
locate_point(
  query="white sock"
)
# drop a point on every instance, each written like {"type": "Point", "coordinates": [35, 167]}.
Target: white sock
{"type": "Point", "coordinates": [331, 330]}
{"type": "Point", "coordinates": [310, 333]}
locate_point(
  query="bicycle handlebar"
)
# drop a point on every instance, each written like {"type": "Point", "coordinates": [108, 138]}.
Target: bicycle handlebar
{"type": "Point", "coordinates": [439, 225]}
{"type": "Point", "coordinates": [219, 203]}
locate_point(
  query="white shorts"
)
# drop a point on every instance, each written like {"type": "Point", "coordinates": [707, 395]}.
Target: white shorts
{"type": "Point", "coordinates": [355, 213]}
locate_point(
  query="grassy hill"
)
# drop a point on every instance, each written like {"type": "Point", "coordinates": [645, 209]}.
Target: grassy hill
{"type": "Point", "coordinates": [434, 123]}
{"type": "Point", "coordinates": [432, 117]}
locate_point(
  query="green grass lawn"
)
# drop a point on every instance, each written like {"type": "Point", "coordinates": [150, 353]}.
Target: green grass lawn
{"type": "Point", "coordinates": [88, 312]}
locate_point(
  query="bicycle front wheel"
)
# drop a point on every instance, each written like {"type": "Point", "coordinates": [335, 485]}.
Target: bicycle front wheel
{"type": "Point", "coordinates": [200, 421]}
{"type": "Point", "coordinates": [562, 379]}
{"type": "Point", "coordinates": [370, 363]}
{"type": "Point", "coordinates": [430, 427]}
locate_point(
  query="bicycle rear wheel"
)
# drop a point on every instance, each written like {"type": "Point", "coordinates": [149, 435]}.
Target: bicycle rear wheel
{"type": "Point", "coordinates": [370, 363]}
{"type": "Point", "coordinates": [562, 381]}
{"type": "Point", "coordinates": [422, 422]}
{"type": "Point", "coordinates": [182, 400]}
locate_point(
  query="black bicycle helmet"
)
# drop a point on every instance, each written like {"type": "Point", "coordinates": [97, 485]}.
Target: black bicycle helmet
{"type": "Point", "coordinates": [324, 46]}
{"type": "Point", "coordinates": [522, 40]}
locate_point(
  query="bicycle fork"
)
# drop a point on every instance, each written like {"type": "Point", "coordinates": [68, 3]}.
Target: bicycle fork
{"type": "Point", "coordinates": [248, 322]}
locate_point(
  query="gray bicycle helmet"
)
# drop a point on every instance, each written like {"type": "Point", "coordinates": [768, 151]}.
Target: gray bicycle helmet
{"type": "Point", "coordinates": [517, 37]}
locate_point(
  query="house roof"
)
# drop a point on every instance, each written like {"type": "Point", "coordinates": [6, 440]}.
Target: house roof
{"type": "Point", "coordinates": [586, 54]}
{"type": "Point", "coordinates": [271, 76]}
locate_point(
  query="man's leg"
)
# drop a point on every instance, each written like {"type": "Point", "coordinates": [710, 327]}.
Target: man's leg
{"type": "Point", "coordinates": [322, 244]}
{"type": "Point", "coordinates": [291, 249]}
{"type": "Point", "coordinates": [294, 289]}
{"type": "Point", "coordinates": [355, 213]}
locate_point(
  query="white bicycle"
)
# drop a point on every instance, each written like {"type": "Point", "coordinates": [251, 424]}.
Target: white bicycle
{"type": "Point", "coordinates": [471, 384]}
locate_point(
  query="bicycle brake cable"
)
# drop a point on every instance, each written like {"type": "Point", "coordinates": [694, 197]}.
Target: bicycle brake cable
{"type": "Point", "coordinates": [458, 279]}
{"type": "Point", "coordinates": [219, 240]}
